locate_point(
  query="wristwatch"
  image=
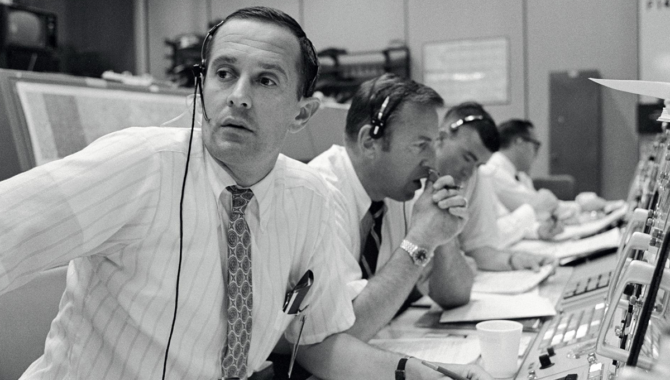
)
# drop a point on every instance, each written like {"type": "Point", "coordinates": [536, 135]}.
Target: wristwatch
{"type": "Point", "coordinates": [420, 256]}
{"type": "Point", "coordinates": [400, 370]}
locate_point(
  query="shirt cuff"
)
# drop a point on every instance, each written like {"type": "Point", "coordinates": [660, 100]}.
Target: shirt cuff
{"type": "Point", "coordinates": [354, 288]}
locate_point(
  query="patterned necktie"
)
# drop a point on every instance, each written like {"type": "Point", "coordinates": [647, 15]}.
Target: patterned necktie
{"type": "Point", "coordinates": [371, 238]}
{"type": "Point", "coordinates": [240, 298]}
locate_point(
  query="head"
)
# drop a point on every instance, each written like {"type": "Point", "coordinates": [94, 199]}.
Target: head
{"type": "Point", "coordinates": [258, 74]}
{"type": "Point", "coordinates": [518, 141]}
{"type": "Point", "coordinates": [390, 132]}
{"type": "Point", "coordinates": [468, 137]}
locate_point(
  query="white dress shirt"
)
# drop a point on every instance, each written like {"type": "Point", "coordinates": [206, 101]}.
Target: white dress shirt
{"type": "Point", "coordinates": [112, 211]}
{"type": "Point", "coordinates": [481, 229]}
{"type": "Point", "coordinates": [353, 202]}
{"type": "Point", "coordinates": [510, 191]}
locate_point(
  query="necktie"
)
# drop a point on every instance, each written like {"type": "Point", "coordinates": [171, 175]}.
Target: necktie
{"type": "Point", "coordinates": [240, 298]}
{"type": "Point", "coordinates": [371, 238]}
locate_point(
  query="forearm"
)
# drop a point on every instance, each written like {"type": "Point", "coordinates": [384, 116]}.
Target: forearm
{"type": "Point", "coordinates": [451, 280]}
{"type": "Point", "coordinates": [341, 356]}
{"type": "Point", "coordinates": [385, 292]}
{"type": "Point", "coordinates": [489, 258]}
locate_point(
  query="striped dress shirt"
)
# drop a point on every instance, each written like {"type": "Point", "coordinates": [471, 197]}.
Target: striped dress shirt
{"type": "Point", "coordinates": [112, 212]}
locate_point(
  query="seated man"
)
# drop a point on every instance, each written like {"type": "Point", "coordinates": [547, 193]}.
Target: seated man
{"type": "Point", "coordinates": [143, 216]}
{"type": "Point", "coordinates": [509, 171]}
{"type": "Point", "coordinates": [388, 149]}
{"type": "Point", "coordinates": [468, 137]}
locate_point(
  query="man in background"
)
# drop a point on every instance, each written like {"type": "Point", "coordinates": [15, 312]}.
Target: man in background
{"type": "Point", "coordinates": [388, 150]}
{"type": "Point", "coordinates": [468, 137]}
{"type": "Point", "coordinates": [509, 171]}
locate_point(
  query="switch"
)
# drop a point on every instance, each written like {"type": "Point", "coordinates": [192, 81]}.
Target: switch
{"type": "Point", "coordinates": [572, 376]}
{"type": "Point", "coordinates": [550, 351]}
{"type": "Point", "coordinates": [545, 361]}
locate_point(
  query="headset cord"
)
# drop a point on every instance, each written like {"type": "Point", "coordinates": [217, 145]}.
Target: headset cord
{"type": "Point", "coordinates": [181, 222]}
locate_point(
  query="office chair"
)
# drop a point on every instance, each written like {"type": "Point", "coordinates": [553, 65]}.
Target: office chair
{"type": "Point", "coordinates": [25, 318]}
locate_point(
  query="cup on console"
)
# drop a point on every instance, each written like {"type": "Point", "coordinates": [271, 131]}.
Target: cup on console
{"type": "Point", "coordinates": [499, 342]}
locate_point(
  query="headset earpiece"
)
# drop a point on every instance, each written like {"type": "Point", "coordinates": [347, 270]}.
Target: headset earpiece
{"type": "Point", "coordinates": [198, 70]}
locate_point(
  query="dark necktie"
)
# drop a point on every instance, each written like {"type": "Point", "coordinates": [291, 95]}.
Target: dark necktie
{"type": "Point", "coordinates": [240, 298]}
{"type": "Point", "coordinates": [371, 238]}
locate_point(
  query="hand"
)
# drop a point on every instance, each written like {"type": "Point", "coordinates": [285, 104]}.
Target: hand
{"type": "Point", "coordinates": [525, 260]}
{"type": "Point", "coordinates": [549, 228]}
{"type": "Point", "coordinates": [468, 371]}
{"type": "Point", "coordinates": [567, 211]}
{"type": "Point", "coordinates": [448, 196]}
{"type": "Point", "coordinates": [544, 202]}
{"type": "Point", "coordinates": [438, 214]}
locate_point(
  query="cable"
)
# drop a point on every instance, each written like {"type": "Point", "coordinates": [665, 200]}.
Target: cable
{"type": "Point", "coordinates": [181, 222]}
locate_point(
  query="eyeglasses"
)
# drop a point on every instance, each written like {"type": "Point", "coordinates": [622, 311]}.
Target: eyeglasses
{"type": "Point", "coordinates": [536, 144]}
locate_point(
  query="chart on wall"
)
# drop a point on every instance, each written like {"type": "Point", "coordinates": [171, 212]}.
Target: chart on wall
{"type": "Point", "coordinates": [62, 119]}
{"type": "Point", "coordinates": [464, 70]}
{"type": "Point", "coordinates": [654, 41]}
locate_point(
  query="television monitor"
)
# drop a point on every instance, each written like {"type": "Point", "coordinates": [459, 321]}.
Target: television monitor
{"type": "Point", "coordinates": [27, 28]}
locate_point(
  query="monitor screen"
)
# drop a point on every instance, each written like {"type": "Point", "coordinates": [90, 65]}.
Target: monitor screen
{"type": "Point", "coordinates": [25, 29]}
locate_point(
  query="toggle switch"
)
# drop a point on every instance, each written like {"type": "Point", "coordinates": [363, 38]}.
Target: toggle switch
{"type": "Point", "coordinates": [550, 351]}
{"type": "Point", "coordinates": [545, 361]}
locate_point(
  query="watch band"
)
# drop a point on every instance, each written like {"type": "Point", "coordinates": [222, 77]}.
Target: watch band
{"type": "Point", "coordinates": [400, 370]}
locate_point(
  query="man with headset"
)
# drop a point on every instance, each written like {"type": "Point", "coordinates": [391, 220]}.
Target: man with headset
{"type": "Point", "coordinates": [388, 150]}
{"type": "Point", "coordinates": [159, 232]}
{"type": "Point", "coordinates": [468, 137]}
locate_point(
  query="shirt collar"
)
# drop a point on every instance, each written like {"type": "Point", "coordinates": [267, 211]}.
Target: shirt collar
{"type": "Point", "coordinates": [219, 179]}
{"type": "Point", "coordinates": [362, 199]}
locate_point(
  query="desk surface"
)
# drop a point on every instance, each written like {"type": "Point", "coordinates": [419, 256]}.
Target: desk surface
{"type": "Point", "coordinates": [405, 325]}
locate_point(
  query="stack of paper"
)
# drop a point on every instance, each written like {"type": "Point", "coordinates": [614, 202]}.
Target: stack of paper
{"type": "Point", "coordinates": [510, 282]}
{"type": "Point", "coordinates": [450, 349]}
{"type": "Point", "coordinates": [592, 227]}
{"type": "Point", "coordinates": [483, 306]}
{"type": "Point", "coordinates": [571, 248]}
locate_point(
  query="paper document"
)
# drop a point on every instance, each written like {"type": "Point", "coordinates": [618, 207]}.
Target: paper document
{"type": "Point", "coordinates": [592, 227]}
{"type": "Point", "coordinates": [483, 306]}
{"type": "Point", "coordinates": [452, 349]}
{"type": "Point", "coordinates": [510, 282]}
{"type": "Point", "coordinates": [571, 248]}
{"type": "Point", "coordinates": [659, 90]}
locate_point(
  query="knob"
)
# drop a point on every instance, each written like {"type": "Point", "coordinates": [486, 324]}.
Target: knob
{"type": "Point", "coordinates": [545, 361]}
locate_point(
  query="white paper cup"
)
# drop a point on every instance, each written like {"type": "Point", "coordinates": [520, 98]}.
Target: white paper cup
{"type": "Point", "coordinates": [499, 343]}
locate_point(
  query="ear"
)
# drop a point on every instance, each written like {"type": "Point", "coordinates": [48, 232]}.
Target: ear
{"type": "Point", "coordinates": [308, 107]}
{"type": "Point", "coordinates": [366, 144]}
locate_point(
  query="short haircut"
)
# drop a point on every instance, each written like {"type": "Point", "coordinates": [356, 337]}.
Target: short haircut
{"type": "Point", "coordinates": [481, 121]}
{"type": "Point", "coordinates": [308, 67]}
{"type": "Point", "coordinates": [513, 128]}
{"type": "Point", "coordinates": [371, 94]}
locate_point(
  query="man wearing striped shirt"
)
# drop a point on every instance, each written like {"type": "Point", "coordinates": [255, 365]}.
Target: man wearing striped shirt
{"type": "Point", "coordinates": [119, 210]}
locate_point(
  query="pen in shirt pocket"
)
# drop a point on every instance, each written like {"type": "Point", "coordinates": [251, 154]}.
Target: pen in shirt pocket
{"type": "Point", "coordinates": [292, 302]}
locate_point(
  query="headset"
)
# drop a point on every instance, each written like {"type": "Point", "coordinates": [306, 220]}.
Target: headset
{"type": "Point", "coordinates": [468, 119]}
{"type": "Point", "coordinates": [379, 119]}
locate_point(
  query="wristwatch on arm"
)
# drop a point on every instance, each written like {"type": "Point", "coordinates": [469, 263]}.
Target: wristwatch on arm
{"type": "Point", "coordinates": [420, 256]}
{"type": "Point", "coordinates": [400, 370]}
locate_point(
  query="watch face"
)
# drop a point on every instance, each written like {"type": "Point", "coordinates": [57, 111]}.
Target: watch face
{"type": "Point", "coordinates": [421, 256]}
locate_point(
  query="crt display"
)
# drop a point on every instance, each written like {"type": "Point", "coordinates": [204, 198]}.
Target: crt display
{"type": "Point", "coordinates": [25, 29]}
